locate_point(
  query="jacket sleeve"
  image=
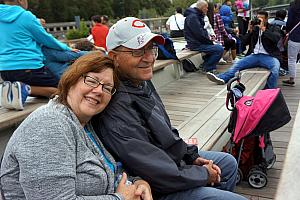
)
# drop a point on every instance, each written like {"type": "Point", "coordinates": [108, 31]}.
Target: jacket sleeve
{"type": "Point", "coordinates": [272, 34]}
{"type": "Point", "coordinates": [40, 35]}
{"type": "Point", "coordinates": [128, 141]}
{"type": "Point", "coordinates": [197, 30]}
{"type": "Point", "coordinates": [47, 162]}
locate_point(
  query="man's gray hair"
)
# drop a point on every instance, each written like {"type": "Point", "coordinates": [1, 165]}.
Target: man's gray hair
{"type": "Point", "coordinates": [201, 3]}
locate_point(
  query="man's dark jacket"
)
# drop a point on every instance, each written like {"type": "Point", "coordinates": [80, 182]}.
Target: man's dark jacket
{"type": "Point", "coordinates": [269, 39]}
{"type": "Point", "coordinates": [194, 32]}
{"type": "Point", "coordinates": [136, 129]}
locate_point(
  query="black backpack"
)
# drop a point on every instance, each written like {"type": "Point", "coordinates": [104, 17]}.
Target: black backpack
{"type": "Point", "coordinates": [188, 66]}
{"type": "Point", "coordinates": [167, 50]}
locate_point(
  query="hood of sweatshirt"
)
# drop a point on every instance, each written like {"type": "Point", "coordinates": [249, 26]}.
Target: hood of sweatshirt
{"type": "Point", "coordinates": [225, 10]}
{"type": "Point", "coordinates": [190, 11]}
{"type": "Point", "coordinates": [9, 14]}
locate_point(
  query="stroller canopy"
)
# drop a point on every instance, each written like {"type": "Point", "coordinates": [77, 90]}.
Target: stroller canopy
{"type": "Point", "coordinates": [263, 113]}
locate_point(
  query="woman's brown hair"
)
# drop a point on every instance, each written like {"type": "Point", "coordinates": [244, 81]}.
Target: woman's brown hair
{"type": "Point", "coordinates": [91, 62]}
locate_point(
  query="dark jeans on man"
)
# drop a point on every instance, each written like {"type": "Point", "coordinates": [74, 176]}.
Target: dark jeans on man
{"type": "Point", "coordinates": [213, 53]}
{"type": "Point", "coordinates": [33, 77]}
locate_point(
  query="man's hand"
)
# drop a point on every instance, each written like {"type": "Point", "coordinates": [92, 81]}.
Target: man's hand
{"type": "Point", "coordinates": [213, 174]}
{"type": "Point", "coordinates": [143, 190]}
{"type": "Point", "coordinates": [200, 161]}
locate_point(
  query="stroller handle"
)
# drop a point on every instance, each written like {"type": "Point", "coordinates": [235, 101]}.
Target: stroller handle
{"type": "Point", "coordinates": [236, 78]}
{"type": "Point", "coordinates": [230, 97]}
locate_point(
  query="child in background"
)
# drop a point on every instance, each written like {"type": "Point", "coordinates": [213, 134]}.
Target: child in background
{"type": "Point", "coordinates": [242, 4]}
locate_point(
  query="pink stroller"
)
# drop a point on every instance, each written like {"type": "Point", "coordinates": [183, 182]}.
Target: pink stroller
{"type": "Point", "coordinates": [251, 121]}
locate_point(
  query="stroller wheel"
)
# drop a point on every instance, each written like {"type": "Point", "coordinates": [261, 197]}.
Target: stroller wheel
{"type": "Point", "coordinates": [239, 176]}
{"type": "Point", "coordinates": [271, 162]}
{"type": "Point", "coordinates": [257, 179]}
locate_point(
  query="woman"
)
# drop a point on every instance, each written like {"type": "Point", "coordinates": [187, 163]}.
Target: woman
{"type": "Point", "coordinates": [222, 36]}
{"type": "Point", "coordinates": [294, 40]}
{"type": "Point", "coordinates": [55, 154]}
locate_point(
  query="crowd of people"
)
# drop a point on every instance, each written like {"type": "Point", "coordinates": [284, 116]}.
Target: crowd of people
{"type": "Point", "coordinates": [105, 133]}
{"type": "Point", "coordinates": [209, 28]}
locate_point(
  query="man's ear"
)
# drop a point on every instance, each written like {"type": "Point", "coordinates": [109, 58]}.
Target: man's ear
{"type": "Point", "coordinates": [114, 56]}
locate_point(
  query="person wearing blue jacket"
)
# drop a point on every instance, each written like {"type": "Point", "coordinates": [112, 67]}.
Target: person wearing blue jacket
{"type": "Point", "coordinates": [197, 37]}
{"type": "Point", "coordinates": [227, 17]}
{"type": "Point", "coordinates": [21, 57]}
{"type": "Point", "coordinates": [294, 40]}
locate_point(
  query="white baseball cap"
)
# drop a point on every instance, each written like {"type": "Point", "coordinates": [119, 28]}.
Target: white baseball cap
{"type": "Point", "coordinates": [132, 33]}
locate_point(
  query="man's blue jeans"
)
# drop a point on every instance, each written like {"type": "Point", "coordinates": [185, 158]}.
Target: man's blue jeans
{"type": "Point", "coordinates": [213, 54]}
{"type": "Point", "coordinates": [252, 61]}
{"type": "Point", "coordinates": [228, 166]}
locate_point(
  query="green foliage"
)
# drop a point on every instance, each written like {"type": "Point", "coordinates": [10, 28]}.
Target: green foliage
{"type": "Point", "coordinates": [82, 32]}
{"type": "Point", "coordinates": [147, 13]}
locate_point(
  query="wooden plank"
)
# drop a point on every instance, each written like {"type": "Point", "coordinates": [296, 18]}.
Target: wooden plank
{"type": "Point", "coordinates": [201, 117]}
{"type": "Point", "coordinates": [11, 117]}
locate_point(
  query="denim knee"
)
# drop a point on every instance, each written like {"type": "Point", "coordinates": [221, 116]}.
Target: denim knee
{"type": "Point", "coordinates": [219, 49]}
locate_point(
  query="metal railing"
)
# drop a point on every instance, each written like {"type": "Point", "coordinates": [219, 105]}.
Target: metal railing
{"type": "Point", "coordinates": [157, 25]}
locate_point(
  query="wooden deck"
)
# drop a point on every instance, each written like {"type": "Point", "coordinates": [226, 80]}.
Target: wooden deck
{"type": "Point", "coordinates": [185, 96]}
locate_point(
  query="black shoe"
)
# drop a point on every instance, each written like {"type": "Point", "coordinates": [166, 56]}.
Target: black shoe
{"type": "Point", "coordinates": [288, 83]}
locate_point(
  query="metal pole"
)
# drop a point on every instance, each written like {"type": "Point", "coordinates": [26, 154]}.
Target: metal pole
{"type": "Point", "coordinates": [77, 22]}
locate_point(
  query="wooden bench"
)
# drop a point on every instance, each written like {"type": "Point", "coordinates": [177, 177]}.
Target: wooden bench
{"type": "Point", "coordinates": [10, 118]}
{"type": "Point", "coordinates": [289, 184]}
{"type": "Point", "coordinates": [208, 125]}
{"type": "Point", "coordinates": [184, 54]}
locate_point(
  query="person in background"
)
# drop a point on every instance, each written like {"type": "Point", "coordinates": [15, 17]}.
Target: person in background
{"type": "Point", "coordinates": [21, 57]}
{"type": "Point", "coordinates": [279, 20]}
{"type": "Point", "coordinates": [227, 17]}
{"type": "Point", "coordinates": [208, 20]}
{"type": "Point", "coordinates": [262, 39]}
{"type": "Point", "coordinates": [55, 153]}
{"type": "Point", "coordinates": [293, 41]}
{"type": "Point", "coordinates": [105, 20]}
{"type": "Point", "coordinates": [136, 128]}
{"type": "Point", "coordinates": [99, 32]}
{"type": "Point", "coordinates": [175, 24]}
{"type": "Point", "coordinates": [227, 41]}
{"type": "Point", "coordinates": [197, 37]}
{"type": "Point", "coordinates": [85, 45]}
{"type": "Point", "coordinates": [43, 22]}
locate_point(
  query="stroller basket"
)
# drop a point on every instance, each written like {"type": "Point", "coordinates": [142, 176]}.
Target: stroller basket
{"type": "Point", "coordinates": [251, 121]}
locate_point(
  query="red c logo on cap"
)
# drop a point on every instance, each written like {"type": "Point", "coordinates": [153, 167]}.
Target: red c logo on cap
{"type": "Point", "coordinates": [138, 24]}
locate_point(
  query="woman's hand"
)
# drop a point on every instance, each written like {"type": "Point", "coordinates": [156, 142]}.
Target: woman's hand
{"type": "Point", "coordinates": [143, 190]}
{"type": "Point", "coordinates": [127, 191]}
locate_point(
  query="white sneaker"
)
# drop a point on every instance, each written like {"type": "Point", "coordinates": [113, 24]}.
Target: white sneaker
{"type": "Point", "coordinates": [6, 95]}
{"type": "Point", "coordinates": [212, 77]}
{"type": "Point", "coordinates": [222, 61]}
{"type": "Point", "coordinates": [20, 92]}
{"type": "Point", "coordinates": [235, 60]}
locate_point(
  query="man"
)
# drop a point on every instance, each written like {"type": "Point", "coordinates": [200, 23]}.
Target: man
{"type": "Point", "coordinates": [197, 37]}
{"type": "Point", "coordinates": [262, 39]}
{"type": "Point", "coordinates": [21, 57]}
{"type": "Point", "coordinates": [99, 32]}
{"type": "Point", "coordinates": [279, 20]}
{"type": "Point", "coordinates": [175, 24]}
{"type": "Point", "coordinates": [136, 128]}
